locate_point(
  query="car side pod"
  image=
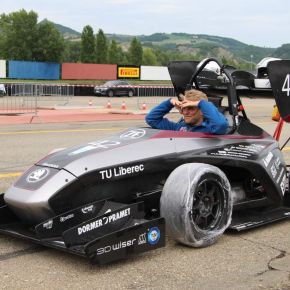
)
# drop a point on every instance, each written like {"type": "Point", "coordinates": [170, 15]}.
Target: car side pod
{"type": "Point", "coordinates": [103, 231]}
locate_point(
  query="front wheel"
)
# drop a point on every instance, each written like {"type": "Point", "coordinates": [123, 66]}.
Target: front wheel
{"type": "Point", "coordinates": [130, 93]}
{"type": "Point", "coordinates": [110, 93]}
{"type": "Point", "coordinates": [197, 204]}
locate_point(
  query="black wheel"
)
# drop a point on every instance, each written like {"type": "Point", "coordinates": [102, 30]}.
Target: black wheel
{"type": "Point", "coordinates": [197, 204]}
{"type": "Point", "coordinates": [130, 93]}
{"type": "Point", "coordinates": [110, 93]}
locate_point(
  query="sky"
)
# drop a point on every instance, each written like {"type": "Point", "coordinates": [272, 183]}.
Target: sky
{"type": "Point", "coordinates": [263, 23]}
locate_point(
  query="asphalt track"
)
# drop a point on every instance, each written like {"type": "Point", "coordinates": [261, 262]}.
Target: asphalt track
{"type": "Point", "coordinates": [256, 259]}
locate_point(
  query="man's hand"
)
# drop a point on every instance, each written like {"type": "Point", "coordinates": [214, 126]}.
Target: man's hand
{"type": "Point", "coordinates": [187, 103]}
{"type": "Point", "coordinates": [177, 104]}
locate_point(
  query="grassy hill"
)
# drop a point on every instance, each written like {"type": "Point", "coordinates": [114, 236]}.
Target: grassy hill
{"type": "Point", "coordinates": [67, 32]}
{"type": "Point", "coordinates": [200, 45]}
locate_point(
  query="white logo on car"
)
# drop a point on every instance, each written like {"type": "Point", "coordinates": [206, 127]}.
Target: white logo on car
{"type": "Point", "coordinates": [133, 134]}
{"type": "Point", "coordinates": [37, 175]}
{"type": "Point", "coordinates": [105, 144]}
{"type": "Point", "coordinates": [48, 224]}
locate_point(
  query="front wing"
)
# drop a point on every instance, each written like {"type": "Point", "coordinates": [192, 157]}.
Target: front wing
{"type": "Point", "coordinates": [103, 231]}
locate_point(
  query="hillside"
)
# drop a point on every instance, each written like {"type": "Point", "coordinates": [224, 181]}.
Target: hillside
{"type": "Point", "coordinates": [67, 32]}
{"type": "Point", "coordinates": [195, 44]}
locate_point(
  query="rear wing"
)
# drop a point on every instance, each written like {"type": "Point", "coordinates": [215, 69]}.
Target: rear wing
{"type": "Point", "coordinates": [279, 76]}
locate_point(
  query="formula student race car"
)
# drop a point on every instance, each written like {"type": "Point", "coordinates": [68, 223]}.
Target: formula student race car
{"type": "Point", "coordinates": [114, 197]}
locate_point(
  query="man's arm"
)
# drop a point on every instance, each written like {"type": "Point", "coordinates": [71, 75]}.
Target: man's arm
{"type": "Point", "coordinates": [215, 120]}
{"type": "Point", "coordinates": [155, 118]}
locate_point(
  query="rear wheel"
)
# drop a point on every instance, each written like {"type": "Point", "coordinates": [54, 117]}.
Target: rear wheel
{"type": "Point", "coordinates": [130, 93]}
{"type": "Point", "coordinates": [197, 204]}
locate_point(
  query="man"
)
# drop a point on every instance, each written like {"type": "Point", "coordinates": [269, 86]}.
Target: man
{"type": "Point", "coordinates": [199, 115]}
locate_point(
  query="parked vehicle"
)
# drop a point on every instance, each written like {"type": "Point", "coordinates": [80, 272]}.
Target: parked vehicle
{"type": "Point", "coordinates": [115, 88]}
{"type": "Point", "coordinates": [2, 90]}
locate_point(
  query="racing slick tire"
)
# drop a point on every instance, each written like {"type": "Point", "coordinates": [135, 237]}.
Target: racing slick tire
{"type": "Point", "coordinates": [197, 204]}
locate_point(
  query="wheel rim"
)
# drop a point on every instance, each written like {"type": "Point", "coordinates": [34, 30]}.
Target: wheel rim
{"type": "Point", "coordinates": [208, 205]}
{"type": "Point", "coordinates": [130, 94]}
{"type": "Point", "coordinates": [110, 93]}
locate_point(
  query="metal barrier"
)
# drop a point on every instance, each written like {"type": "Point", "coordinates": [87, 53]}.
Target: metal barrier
{"type": "Point", "coordinates": [26, 98]}
{"type": "Point", "coordinates": [152, 95]}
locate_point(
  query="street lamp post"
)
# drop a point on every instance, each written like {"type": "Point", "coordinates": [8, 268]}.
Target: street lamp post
{"type": "Point", "coordinates": [251, 62]}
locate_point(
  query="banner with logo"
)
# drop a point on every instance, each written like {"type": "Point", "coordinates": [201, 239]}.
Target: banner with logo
{"type": "Point", "coordinates": [128, 72]}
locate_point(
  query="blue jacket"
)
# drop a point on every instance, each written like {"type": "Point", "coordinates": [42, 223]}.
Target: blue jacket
{"type": "Point", "coordinates": [214, 122]}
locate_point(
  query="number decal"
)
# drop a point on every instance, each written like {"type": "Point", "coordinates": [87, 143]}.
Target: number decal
{"type": "Point", "coordinates": [286, 85]}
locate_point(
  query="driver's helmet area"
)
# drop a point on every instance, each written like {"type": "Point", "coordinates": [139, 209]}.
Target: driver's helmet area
{"type": "Point", "coordinates": [216, 82]}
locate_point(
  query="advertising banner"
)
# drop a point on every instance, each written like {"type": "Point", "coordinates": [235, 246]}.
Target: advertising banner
{"type": "Point", "coordinates": [2, 69]}
{"type": "Point", "coordinates": [33, 70]}
{"type": "Point", "coordinates": [128, 72]}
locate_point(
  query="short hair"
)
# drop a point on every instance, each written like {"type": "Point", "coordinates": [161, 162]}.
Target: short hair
{"type": "Point", "coordinates": [195, 95]}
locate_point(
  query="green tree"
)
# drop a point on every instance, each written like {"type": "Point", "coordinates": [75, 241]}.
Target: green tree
{"type": "Point", "coordinates": [50, 43]}
{"type": "Point", "coordinates": [72, 52]}
{"type": "Point", "coordinates": [22, 38]}
{"type": "Point", "coordinates": [162, 57]}
{"type": "Point", "coordinates": [18, 34]}
{"type": "Point", "coordinates": [88, 49]}
{"type": "Point", "coordinates": [116, 54]}
{"type": "Point", "coordinates": [101, 47]}
{"type": "Point", "coordinates": [113, 52]}
{"type": "Point", "coordinates": [149, 57]}
{"type": "Point", "coordinates": [135, 52]}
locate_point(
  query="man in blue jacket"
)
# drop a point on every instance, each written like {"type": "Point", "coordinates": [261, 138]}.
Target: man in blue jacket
{"type": "Point", "coordinates": [199, 115]}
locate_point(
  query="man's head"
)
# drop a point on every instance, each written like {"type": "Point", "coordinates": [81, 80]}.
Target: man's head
{"type": "Point", "coordinates": [192, 114]}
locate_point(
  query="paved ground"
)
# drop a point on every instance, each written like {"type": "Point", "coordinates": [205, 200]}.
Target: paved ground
{"type": "Point", "coordinates": [257, 259]}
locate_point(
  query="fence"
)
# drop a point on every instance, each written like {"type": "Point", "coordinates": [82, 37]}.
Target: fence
{"type": "Point", "coordinates": [27, 98]}
{"type": "Point", "coordinates": [150, 94]}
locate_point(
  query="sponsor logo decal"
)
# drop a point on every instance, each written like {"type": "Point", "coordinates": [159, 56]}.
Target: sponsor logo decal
{"type": "Point", "coordinates": [50, 165]}
{"type": "Point", "coordinates": [268, 158]}
{"type": "Point", "coordinates": [120, 171]}
{"type": "Point", "coordinates": [87, 209]}
{"type": "Point", "coordinates": [153, 236]}
{"type": "Point", "coordinates": [283, 184]}
{"type": "Point", "coordinates": [133, 134]}
{"type": "Point", "coordinates": [104, 221]}
{"type": "Point", "coordinates": [64, 218]}
{"type": "Point", "coordinates": [48, 225]}
{"type": "Point", "coordinates": [244, 151]}
{"type": "Point", "coordinates": [37, 175]}
{"type": "Point", "coordinates": [115, 247]}
{"type": "Point", "coordinates": [142, 239]}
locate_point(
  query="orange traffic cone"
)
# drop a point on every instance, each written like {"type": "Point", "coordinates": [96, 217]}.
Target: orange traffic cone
{"type": "Point", "coordinates": [109, 106]}
{"type": "Point", "coordinates": [90, 103]}
{"type": "Point", "coordinates": [123, 107]}
{"type": "Point", "coordinates": [144, 107]}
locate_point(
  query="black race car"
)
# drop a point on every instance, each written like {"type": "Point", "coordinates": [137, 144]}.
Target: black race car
{"type": "Point", "coordinates": [115, 88]}
{"type": "Point", "coordinates": [114, 197]}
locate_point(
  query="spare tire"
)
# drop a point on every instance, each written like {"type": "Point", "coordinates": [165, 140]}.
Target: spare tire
{"type": "Point", "coordinates": [197, 204]}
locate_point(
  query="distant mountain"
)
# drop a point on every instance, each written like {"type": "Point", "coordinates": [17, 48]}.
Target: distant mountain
{"type": "Point", "coordinates": [67, 32]}
{"type": "Point", "coordinates": [197, 44]}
